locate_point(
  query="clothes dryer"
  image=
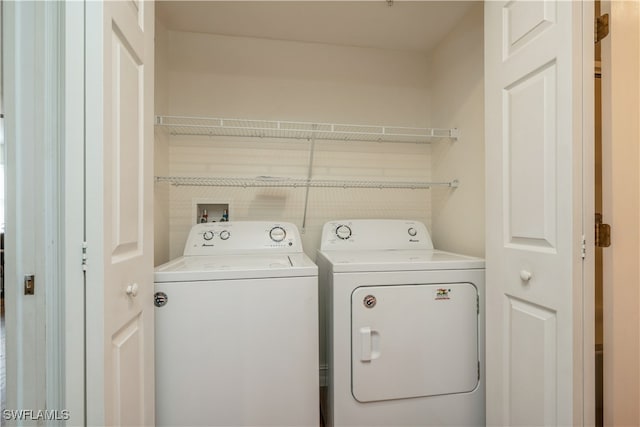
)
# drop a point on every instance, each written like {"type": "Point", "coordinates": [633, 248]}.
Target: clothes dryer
{"type": "Point", "coordinates": [404, 327]}
{"type": "Point", "coordinates": [236, 324]}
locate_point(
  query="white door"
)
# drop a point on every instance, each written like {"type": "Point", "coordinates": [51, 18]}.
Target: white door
{"type": "Point", "coordinates": [119, 217]}
{"type": "Point", "coordinates": [536, 124]}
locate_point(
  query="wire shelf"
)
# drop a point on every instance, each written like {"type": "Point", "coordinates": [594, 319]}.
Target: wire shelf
{"type": "Point", "coordinates": [179, 125]}
{"type": "Point", "coordinates": [271, 181]}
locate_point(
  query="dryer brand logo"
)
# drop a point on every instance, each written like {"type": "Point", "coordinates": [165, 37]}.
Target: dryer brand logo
{"type": "Point", "coordinates": [442, 293]}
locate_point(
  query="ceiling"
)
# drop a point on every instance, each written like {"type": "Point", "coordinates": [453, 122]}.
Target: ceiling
{"type": "Point", "coordinates": [406, 25]}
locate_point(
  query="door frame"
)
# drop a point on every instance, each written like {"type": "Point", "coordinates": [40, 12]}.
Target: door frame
{"type": "Point", "coordinates": [66, 366]}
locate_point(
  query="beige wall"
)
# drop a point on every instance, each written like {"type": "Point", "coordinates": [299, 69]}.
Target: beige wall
{"type": "Point", "coordinates": [161, 149]}
{"type": "Point", "coordinates": [210, 75]}
{"type": "Point", "coordinates": [621, 209]}
{"type": "Point", "coordinates": [457, 90]}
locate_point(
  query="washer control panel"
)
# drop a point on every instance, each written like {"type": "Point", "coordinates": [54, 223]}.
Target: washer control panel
{"type": "Point", "coordinates": [241, 237]}
{"type": "Point", "coordinates": [373, 234]}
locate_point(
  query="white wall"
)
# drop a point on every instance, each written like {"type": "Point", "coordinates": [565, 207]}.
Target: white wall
{"type": "Point", "coordinates": [219, 76]}
{"type": "Point", "coordinates": [457, 90]}
{"type": "Point", "coordinates": [621, 209]}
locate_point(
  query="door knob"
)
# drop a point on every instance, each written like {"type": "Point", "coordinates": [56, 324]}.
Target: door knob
{"type": "Point", "coordinates": [525, 275]}
{"type": "Point", "coordinates": [132, 290]}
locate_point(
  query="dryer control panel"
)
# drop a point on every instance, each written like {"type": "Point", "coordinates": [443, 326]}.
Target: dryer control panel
{"type": "Point", "coordinates": [242, 237]}
{"type": "Point", "coordinates": [374, 234]}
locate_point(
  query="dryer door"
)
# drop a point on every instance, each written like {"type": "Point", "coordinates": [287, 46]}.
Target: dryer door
{"type": "Point", "coordinates": [414, 340]}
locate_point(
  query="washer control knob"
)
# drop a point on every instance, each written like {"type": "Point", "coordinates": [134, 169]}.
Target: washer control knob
{"type": "Point", "coordinates": [412, 231]}
{"type": "Point", "coordinates": [343, 232]}
{"type": "Point", "coordinates": [224, 234]}
{"type": "Point", "coordinates": [277, 234]}
{"type": "Point", "coordinates": [208, 235]}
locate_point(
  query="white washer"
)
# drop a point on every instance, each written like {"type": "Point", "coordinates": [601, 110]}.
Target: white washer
{"type": "Point", "coordinates": [404, 327]}
{"type": "Point", "coordinates": [236, 324]}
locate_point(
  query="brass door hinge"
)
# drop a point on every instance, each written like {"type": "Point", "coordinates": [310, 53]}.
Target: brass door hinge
{"type": "Point", "coordinates": [603, 233]}
{"type": "Point", "coordinates": [601, 27]}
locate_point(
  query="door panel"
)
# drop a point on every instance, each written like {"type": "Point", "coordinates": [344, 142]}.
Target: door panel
{"type": "Point", "coordinates": [530, 159]}
{"type": "Point", "coordinates": [128, 352]}
{"type": "Point", "coordinates": [120, 358]}
{"type": "Point", "coordinates": [525, 20]}
{"type": "Point", "coordinates": [535, 53]}
{"type": "Point", "coordinates": [532, 341]}
{"type": "Point", "coordinates": [128, 148]}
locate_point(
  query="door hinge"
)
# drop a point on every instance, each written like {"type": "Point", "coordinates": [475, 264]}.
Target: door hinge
{"type": "Point", "coordinates": [84, 256]}
{"type": "Point", "coordinates": [583, 249]}
{"type": "Point", "coordinates": [601, 27]}
{"type": "Point", "coordinates": [603, 233]}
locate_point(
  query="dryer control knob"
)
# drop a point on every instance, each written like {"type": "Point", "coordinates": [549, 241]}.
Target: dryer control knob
{"type": "Point", "coordinates": [343, 232]}
{"type": "Point", "coordinates": [207, 235]}
{"type": "Point", "coordinates": [224, 235]}
{"type": "Point", "coordinates": [412, 232]}
{"type": "Point", "coordinates": [277, 234]}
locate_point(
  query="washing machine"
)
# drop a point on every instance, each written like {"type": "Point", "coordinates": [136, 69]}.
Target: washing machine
{"type": "Point", "coordinates": [236, 329]}
{"type": "Point", "coordinates": [403, 326]}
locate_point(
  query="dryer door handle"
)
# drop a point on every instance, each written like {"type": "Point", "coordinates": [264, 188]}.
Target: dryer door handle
{"type": "Point", "coordinates": [365, 344]}
{"type": "Point", "coordinates": [369, 344]}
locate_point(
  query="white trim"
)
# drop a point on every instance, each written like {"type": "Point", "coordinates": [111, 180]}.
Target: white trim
{"type": "Point", "coordinates": [72, 205]}
{"type": "Point", "coordinates": [24, 65]}
{"type": "Point", "coordinates": [52, 189]}
{"type": "Point", "coordinates": [94, 207]}
{"type": "Point", "coordinates": [586, 336]}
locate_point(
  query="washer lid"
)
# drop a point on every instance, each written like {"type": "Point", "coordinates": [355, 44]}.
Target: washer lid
{"type": "Point", "coordinates": [200, 268]}
{"type": "Point", "coordinates": [399, 260]}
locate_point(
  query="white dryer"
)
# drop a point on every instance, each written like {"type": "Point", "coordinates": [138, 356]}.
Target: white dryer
{"type": "Point", "coordinates": [236, 324]}
{"type": "Point", "coordinates": [404, 327]}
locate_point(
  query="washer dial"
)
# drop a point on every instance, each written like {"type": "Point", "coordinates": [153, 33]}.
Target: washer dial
{"type": "Point", "coordinates": [343, 232]}
{"type": "Point", "coordinates": [207, 235]}
{"type": "Point", "coordinates": [277, 234]}
{"type": "Point", "coordinates": [412, 231]}
{"type": "Point", "coordinates": [224, 235]}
